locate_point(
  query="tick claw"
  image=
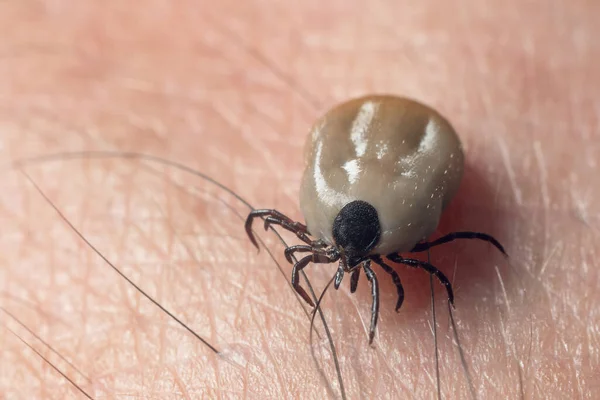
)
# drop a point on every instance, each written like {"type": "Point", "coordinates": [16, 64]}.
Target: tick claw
{"type": "Point", "coordinates": [398, 305]}
{"type": "Point", "coordinates": [310, 302]}
{"type": "Point", "coordinates": [304, 295]}
{"type": "Point", "coordinates": [255, 243]}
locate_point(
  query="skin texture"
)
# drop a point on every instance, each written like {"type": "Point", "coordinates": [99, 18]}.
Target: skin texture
{"type": "Point", "coordinates": [398, 155]}
{"type": "Point", "coordinates": [232, 89]}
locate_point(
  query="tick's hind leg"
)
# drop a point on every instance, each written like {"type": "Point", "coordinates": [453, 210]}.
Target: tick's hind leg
{"type": "Point", "coordinates": [375, 294]}
{"type": "Point", "coordinates": [277, 218]}
{"type": "Point", "coordinates": [427, 267]}
{"type": "Point", "coordinates": [395, 278]}
{"type": "Point", "coordinates": [459, 235]}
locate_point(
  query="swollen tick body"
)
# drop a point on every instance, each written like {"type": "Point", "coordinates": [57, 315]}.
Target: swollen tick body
{"type": "Point", "coordinates": [379, 172]}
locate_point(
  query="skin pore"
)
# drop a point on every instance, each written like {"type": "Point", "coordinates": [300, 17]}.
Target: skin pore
{"type": "Point", "coordinates": [231, 89]}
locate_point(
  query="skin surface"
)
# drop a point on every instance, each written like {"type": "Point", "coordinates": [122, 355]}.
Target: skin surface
{"type": "Point", "coordinates": [232, 88]}
{"type": "Point", "coordinates": [398, 155]}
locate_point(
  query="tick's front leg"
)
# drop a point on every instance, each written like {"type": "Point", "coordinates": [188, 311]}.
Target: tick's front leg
{"type": "Point", "coordinates": [275, 217]}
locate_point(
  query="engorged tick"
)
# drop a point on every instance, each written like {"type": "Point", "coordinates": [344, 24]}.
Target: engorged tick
{"type": "Point", "coordinates": [379, 172]}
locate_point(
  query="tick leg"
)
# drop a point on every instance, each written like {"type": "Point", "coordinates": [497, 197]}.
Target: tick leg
{"type": "Point", "coordinates": [354, 280]}
{"type": "Point", "coordinates": [299, 266]}
{"type": "Point", "coordinates": [427, 267]}
{"type": "Point", "coordinates": [300, 248]}
{"type": "Point", "coordinates": [375, 294]}
{"type": "Point", "coordinates": [395, 278]}
{"type": "Point", "coordinates": [458, 235]}
{"type": "Point", "coordinates": [314, 247]}
{"type": "Point", "coordinates": [274, 216]}
{"type": "Point", "coordinates": [339, 275]}
{"type": "Point", "coordinates": [293, 226]}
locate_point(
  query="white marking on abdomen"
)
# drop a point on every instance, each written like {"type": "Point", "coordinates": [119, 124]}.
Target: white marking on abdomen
{"type": "Point", "coordinates": [353, 169]}
{"type": "Point", "coordinates": [431, 132]}
{"type": "Point", "coordinates": [360, 126]}
{"type": "Point", "coordinates": [328, 195]}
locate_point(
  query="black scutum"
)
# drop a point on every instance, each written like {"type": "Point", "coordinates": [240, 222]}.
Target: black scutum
{"type": "Point", "coordinates": [356, 228]}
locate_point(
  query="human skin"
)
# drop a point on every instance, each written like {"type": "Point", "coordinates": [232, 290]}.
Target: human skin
{"type": "Point", "coordinates": [231, 89]}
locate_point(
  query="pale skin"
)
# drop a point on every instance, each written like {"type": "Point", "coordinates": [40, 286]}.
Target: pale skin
{"type": "Point", "coordinates": [232, 91]}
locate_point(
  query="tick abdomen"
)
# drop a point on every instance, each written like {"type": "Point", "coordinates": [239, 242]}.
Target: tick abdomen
{"type": "Point", "coordinates": [379, 172]}
{"type": "Point", "coordinates": [398, 155]}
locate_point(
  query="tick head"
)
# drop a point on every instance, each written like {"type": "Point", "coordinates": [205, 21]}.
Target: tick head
{"type": "Point", "coordinates": [356, 230]}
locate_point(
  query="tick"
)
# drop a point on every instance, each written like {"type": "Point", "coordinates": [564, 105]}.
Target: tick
{"type": "Point", "coordinates": [379, 171]}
